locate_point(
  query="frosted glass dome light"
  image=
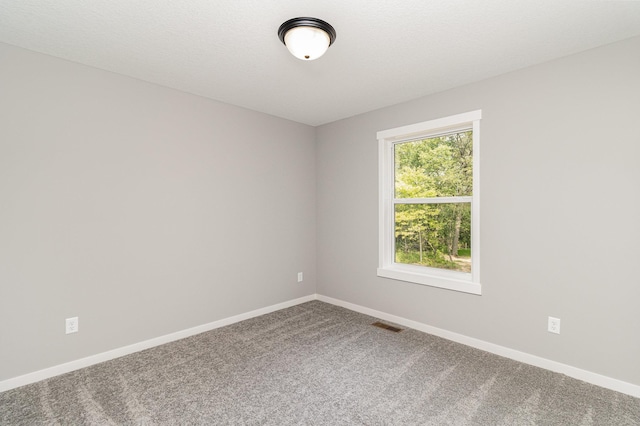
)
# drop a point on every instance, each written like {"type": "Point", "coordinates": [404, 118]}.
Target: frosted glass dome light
{"type": "Point", "coordinates": [307, 38]}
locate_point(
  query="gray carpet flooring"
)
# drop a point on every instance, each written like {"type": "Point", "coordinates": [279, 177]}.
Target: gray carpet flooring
{"type": "Point", "coordinates": [315, 364]}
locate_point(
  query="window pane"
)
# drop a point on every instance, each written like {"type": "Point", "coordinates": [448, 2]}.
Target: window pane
{"type": "Point", "coordinates": [434, 235]}
{"type": "Point", "coordinates": [434, 167]}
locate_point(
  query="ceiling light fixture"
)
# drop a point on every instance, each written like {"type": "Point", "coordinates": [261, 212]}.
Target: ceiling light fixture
{"type": "Point", "coordinates": [307, 38]}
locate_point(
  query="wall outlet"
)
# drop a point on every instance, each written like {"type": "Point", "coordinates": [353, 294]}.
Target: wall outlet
{"type": "Point", "coordinates": [300, 278]}
{"type": "Point", "coordinates": [71, 325]}
{"type": "Point", "coordinates": [554, 325]}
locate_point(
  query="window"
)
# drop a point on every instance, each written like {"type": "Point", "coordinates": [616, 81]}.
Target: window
{"type": "Point", "coordinates": [429, 203]}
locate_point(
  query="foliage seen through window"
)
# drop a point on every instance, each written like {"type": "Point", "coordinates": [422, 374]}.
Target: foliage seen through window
{"type": "Point", "coordinates": [428, 231]}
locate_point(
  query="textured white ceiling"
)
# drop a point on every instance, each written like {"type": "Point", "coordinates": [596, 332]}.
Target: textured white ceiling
{"type": "Point", "coordinates": [385, 52]}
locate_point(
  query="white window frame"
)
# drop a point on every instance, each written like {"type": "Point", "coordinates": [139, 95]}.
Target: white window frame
{"type": "Point", "coordinates": [435, 277]}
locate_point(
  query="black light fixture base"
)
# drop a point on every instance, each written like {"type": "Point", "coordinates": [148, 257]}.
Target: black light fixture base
{"type": "Point", "coordinates": [307, 22]}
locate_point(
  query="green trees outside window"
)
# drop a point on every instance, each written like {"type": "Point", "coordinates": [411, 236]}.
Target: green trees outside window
{"type": "Point", "coordinates": [433, 185]}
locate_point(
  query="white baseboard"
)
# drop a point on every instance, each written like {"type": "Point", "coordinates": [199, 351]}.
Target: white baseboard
{"type": "Point", "coordinates": [576, 373]}
{"type": "Point", "coordinates": [136, 347]}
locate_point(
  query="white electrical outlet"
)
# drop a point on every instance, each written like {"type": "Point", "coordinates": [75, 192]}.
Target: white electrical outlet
{"type": "Point", "coordinates": [300, 277]}
{"type": "Point", "coordinates": [554, 325]}
{"type": "Point", "coordinates": [71, 325]}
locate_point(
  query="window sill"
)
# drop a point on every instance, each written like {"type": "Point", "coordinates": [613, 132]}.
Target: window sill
{"type": "Point", "coordinates": [449, 280]}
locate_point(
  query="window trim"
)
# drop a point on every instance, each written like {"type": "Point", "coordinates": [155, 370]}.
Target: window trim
{"type": "Point", "coordinates": [435, 277]}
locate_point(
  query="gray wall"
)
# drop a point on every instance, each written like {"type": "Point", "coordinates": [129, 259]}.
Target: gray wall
{"type": "Point", "coordinates": [560, 209]}
{"type": "Point", "coordinates": [140, 209]}
{"type": "Point", "coordinates": [146, 211]}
